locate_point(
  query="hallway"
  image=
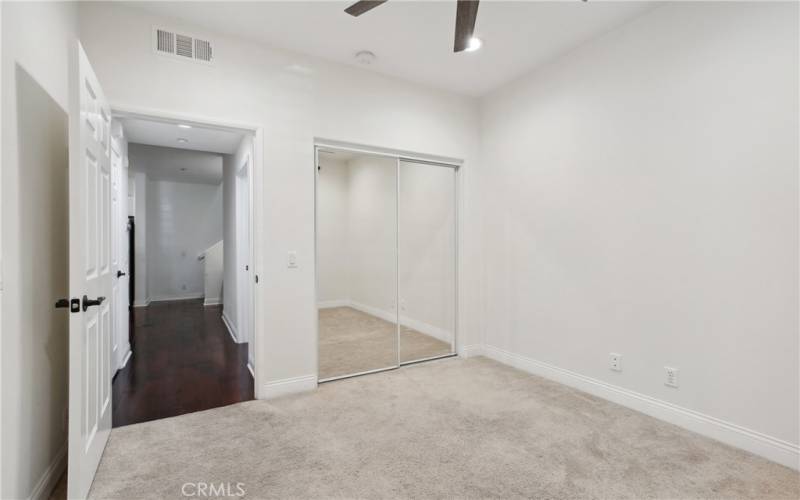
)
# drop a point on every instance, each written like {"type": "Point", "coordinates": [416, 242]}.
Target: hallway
{"type": "Point", "coordinates": [183, 361]}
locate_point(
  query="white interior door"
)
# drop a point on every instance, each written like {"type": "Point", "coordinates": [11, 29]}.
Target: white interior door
{"type": "Point", "coordinates": [119, 256]}
{"type": "Point", "coordinates": [90, 274]}
{"type": "Point", "coordinates": [116, 168]}
{"type": "Point", "coordinates": [243, 251]}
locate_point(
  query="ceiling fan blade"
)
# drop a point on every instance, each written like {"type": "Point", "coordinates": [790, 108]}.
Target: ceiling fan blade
{"type": "Point", "coordinates": [359, 8]}
{"type": "Point", "coordinates": [466, 13]}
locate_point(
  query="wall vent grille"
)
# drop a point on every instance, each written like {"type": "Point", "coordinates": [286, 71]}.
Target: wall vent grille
{"type": "Point", "coordinates": [165, 41]}
{"type": "Point", "coordinates": [182, 46]}
{"type": "Point", "coordinates": [202, 50]}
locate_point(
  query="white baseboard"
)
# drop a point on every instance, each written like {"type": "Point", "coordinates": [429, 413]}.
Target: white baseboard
{"type": "Point", "coordinates": [427, 329]}
{"type": "Point", "coordinates": [373, 311]}
{"type": "Point", "coordinates": [165, 298]}
{"type": "Point", "coordinates": [420, 326]}
{"type": "Point", "coordinates": [769, 447]}
{"type": "Point", "coordinates": [287, 386]}
{"type": "Point", "coordinates": [212, 301]}
{"type": "Point", "coordinates": [471, 351]}
{"type": "Point", "coordinates": [250, 369]}
{"type": "Point", "coordinates": [231, 329]}
{"type": "Point", "coordinates": [44, 487]}
{"type": "Point", "coordinates": [141, 304]}
{"type": "Point", "coordinates": [329, 304]}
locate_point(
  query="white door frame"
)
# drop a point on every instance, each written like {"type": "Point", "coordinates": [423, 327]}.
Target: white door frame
{"type": "Point", "coordinates": [256, 174]}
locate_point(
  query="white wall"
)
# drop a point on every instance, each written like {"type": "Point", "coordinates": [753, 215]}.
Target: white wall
{"type": "Point", "coordinates": [140, 290]}
{"type": "Point", "coordinates": [183, 220]}
{"type": "Point", "coordinates": [644, 200]}
{"type": "Point", "coordinates": [294, 98]}
{"type": "Point", "coordinates": [33, 345]}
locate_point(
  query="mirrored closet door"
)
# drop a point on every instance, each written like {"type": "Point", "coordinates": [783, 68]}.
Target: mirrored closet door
{"type": "Point", "coordinates": [386, 261]}
{"type": "Point", "coordinates": [426, 260]}
{"type": "Point", "coordinates": [356, 228]}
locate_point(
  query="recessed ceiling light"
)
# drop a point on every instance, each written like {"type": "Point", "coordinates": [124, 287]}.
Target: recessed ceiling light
{"type": "Point", "coordinates": [183, 140]}
{"type": "Point", "coordinates": [474, 44]}
{"type": "Point", "coordinates": [183, 169]}
{"type": "Point", "coordinates": [183, 125]}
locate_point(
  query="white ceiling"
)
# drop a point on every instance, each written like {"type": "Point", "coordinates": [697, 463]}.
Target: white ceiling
{"type": "Point", "coordinates": [162, 133]}
{"type": "Point", "coordinates": [176, 165]}
{"type": "Point", "coordinates": [414, 40]}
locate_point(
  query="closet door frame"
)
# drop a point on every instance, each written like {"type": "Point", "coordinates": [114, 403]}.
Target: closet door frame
{"type": "Point", "coordinates": [399, 157]}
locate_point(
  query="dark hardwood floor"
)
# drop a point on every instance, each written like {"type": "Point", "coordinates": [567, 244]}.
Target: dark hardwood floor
{"type": "Point", "coordinates": [183, 361]}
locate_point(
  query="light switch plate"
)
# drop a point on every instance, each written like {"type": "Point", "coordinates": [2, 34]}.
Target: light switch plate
{"type": "Point", "coordinates": [292, 259]}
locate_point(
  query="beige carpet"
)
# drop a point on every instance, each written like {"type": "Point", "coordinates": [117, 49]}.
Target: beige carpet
{"type": "Point", "coordinates": [452, 428]}
{"type": "Point", "coordinates": [351, 341]}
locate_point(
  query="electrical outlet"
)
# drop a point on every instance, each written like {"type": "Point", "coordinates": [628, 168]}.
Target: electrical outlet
{"type": "Point", "coordinates": [615, 361]}
{"type": "Point", "coordinates": [672, 376]}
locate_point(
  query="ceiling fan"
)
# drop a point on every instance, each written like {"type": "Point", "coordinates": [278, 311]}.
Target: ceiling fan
{"type": "Point", "coordinates": [466, 13]}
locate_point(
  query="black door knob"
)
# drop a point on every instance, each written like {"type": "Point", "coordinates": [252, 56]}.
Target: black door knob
{"type": "Point", "coordinates": [120, 274]}
{"type": "Point", "coordinates": [87, 303]}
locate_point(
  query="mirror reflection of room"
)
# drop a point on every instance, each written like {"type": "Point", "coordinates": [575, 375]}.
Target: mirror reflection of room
{"type": "Point", "coordinates": [427, 262]}
{"type": "Point", "coordinates": [385, 253]}
{"type": "Point", "coordinates": [357, 246]}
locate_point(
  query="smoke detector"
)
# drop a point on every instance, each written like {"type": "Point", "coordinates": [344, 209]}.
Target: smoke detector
{"type": "Point", "coordinates": [365, 57]}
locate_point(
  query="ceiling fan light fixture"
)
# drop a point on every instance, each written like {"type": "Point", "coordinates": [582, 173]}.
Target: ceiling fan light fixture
{"type": "Point", "coordinates": [475, 43]}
